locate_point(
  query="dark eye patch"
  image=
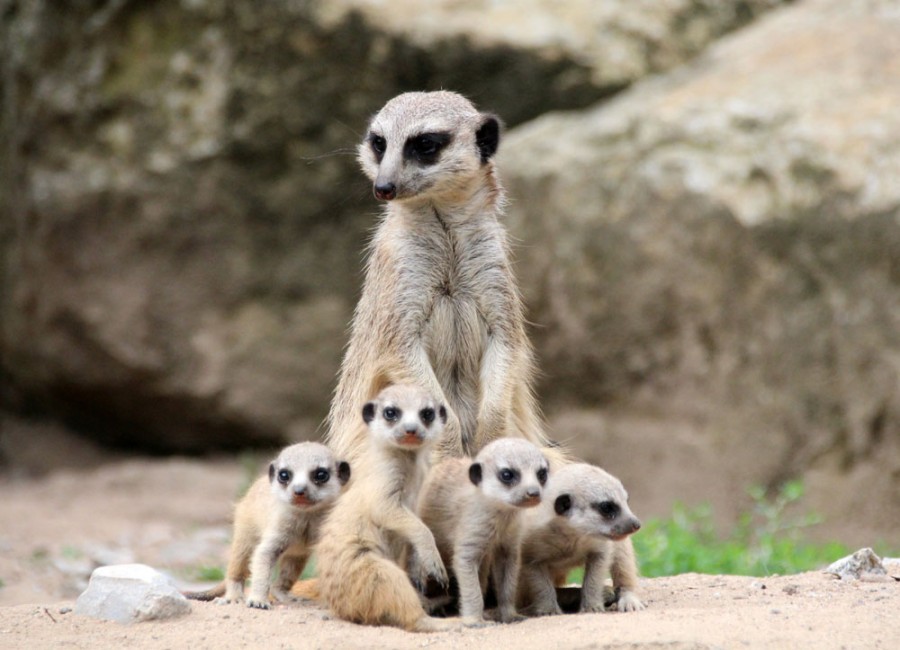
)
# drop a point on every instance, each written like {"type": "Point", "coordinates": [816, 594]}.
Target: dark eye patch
{"type": "Point", "coordinates": [285, 476]}
{"type": "Point", "coordinates": [391, 413]}
{"type": "Point", "coordinates": [425, 148]}
{"type": "Point", "coordinates": [607, 509]}
{"type": "Point", "coordinates": [320, 475]}
{"type": "Point", "coordinates": [508, 476]}
{"type": "Point", "coordinates": [427, 415]}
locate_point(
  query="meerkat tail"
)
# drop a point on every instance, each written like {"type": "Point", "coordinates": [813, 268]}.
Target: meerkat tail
{"type": "Point", "coordinates": [308, 589]}
{"type": "Point", "coordinates": [375, 591]}
{"type": "Point", "coordinates": [209, 594]}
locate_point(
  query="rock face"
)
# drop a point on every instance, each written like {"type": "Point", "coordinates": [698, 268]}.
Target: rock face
{"type": "Point", "coordinates": [182, 220]}
{"type": "Point", "coordinates": [612, 44]}
{"type": "Point", "coordinates": [722, 245]}
{"type": "Point", "coordinates": [130, 593]}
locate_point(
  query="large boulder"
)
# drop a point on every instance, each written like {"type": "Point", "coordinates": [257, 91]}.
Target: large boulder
{"type": "Point", "coordinates": [716, 253]}
{"type": "Point", "coordinates": [607, 45]}
{"type": "Point", "coordinates": [182, 218]}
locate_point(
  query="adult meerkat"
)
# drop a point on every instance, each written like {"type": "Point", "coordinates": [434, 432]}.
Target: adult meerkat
{"type": "Point", "coordinates": [440, 307]}
{"type": "Point", "coordinates": [373, 526]}
{"type": "Point", "coordinates": [584, 521]}
{"type": "Point", "coordinates": [278, 521]}
{"type": "Point", "coordinates": [474, 510]}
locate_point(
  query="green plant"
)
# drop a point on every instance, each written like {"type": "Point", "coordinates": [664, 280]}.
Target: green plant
{"type": "Point", "coordinates": [765, 540]}
{"type": "Point", "coordinates": [208, 574]}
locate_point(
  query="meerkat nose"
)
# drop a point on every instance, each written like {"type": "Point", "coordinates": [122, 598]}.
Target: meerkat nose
{"type": "Point", "coordinates": [300, 490]}
{"type": "Point", "coordinates": [385, 191]}
{"type": "Point", "coordinates": [635, 525]}
{"type": "Point", "coordinates": [532, 493]}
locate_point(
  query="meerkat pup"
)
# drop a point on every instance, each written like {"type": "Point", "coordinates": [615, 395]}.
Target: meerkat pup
{"type": "Point", "coordinates": [584, 521]}
{"type": "Point", "coordinates": [440, 307]}
{"type": "Point", "coordinates": [373, 526]}
{"type": "Point", "coordinates": [474, 509]}
{"type": "Point", "coordinates": [279, 519]}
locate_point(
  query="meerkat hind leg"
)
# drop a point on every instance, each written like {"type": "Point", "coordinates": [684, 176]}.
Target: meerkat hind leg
{"type": "Point", "coordinates": [291, 568]}
{"type": "Point", "coordinates": [234, 593]}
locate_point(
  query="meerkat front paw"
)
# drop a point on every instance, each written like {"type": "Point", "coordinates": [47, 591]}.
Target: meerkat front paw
{"type": "Point", "coordinates": [510, 616]}
{"type": "Point", "coordinates": [228, 600]}
{"type": "Point", "coordinates": [629, 602]}
{"type": "Point", "coordinates": [593, 608]}
{"type": "Point", "coordinates": [422, 569]}
{"type": "Point", "coordinates": [258, 603]}
{"type": "Point", "coordinates": [544, 609]}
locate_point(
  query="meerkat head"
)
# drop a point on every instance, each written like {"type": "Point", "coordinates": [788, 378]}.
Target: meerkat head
{"type": "Point", "coordinates": [592, 501]}
{"type": "Point", "coordinates": [306, 475]}
{"type": "Point", "coordinates": [405, 416]}
{"type": "Point", "coordinates": [427, 145]}
{"type": "Point", "coordinates": [512, 471]}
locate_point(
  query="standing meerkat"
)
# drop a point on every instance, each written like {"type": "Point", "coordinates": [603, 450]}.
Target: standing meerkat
{"type": "Point", "coordinates": [279, 519]}
{"type": "Point", "coordinates": [373, 526]}
{"type": "Point", "coordinates": [584, 522]}
{"type": "Point", "coordinates": [440, 307]}
{"type": "Point", "coordinates": [474, 510]}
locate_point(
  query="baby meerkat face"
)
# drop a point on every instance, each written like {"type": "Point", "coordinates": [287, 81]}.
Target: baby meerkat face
{"type": "Point", "coordinates": [512, 471]}
{"type": "Point", "coordinates": [427, 145]}
{"type": "Point", "coordinates": [306, 475]}
{"type": "Point", "coordinates": [592, 501]}
{"type": "Point", "coordinates": [405, 416]}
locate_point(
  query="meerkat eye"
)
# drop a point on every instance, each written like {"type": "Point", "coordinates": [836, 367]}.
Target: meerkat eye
{"type": "Point", "coordinates": [427, 415]}
{"type": "Point", "coordinates": [378, 144]}
{"type": "Point", "coordinates": [542, 475]}
{"type": "Point", "coordinates": [391, 413]}
{"type": "Point", "coordinates": [507, 476]}
{"type": "Point", "coordinates": [285, 476]}
{"type": "Point", "coordinates": [320, 475]}
{"type": "Point", "coordinates": [607, 509]}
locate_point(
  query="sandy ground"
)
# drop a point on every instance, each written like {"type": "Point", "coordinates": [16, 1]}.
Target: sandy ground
{"type": "Point", "coordinates": [687, 611]}
{"type": "Point", "coordinates": [173, 514]}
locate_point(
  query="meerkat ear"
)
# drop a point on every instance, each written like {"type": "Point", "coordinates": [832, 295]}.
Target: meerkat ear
{"type": "Point", "coordinates": [442, 413]}
{"type": "Point", "coordinates": [563, 504]}
{"type": "Point", "coordinates": [271, 472]}
{"type": "Point", "coordinates": [343, 472]}
{"type": "Point", "coordinates": [487, 137]}
{"type": "Point", "coordinates": [369, 412]}
{"type": "Point", "coordinates": [475, 473]}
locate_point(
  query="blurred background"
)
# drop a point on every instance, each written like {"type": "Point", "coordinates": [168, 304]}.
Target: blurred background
{"type": "Point", "coordinates": [704, 203]}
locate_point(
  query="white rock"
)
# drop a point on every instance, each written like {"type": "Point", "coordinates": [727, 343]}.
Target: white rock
{"type": "Point", "coordinates": [129, 593]}
{"type": "Point", "coordinates": [864, 561]}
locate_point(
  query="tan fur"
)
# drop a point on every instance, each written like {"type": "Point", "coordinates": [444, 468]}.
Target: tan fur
{"type": "Point", "coordinates": [440, 307]}
{"type": "Point", "coordinates": [476, 520]}
{"type": "Point", "coordinates": [278, 521]}
{"type": "Point", "coordinates": [373, 526]}
{"type": "Point", "coordinates": [570, 530]}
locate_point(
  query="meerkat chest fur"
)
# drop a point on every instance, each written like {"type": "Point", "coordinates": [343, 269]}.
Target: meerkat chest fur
{"type": "Point", "coordinates": [450, 272]}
